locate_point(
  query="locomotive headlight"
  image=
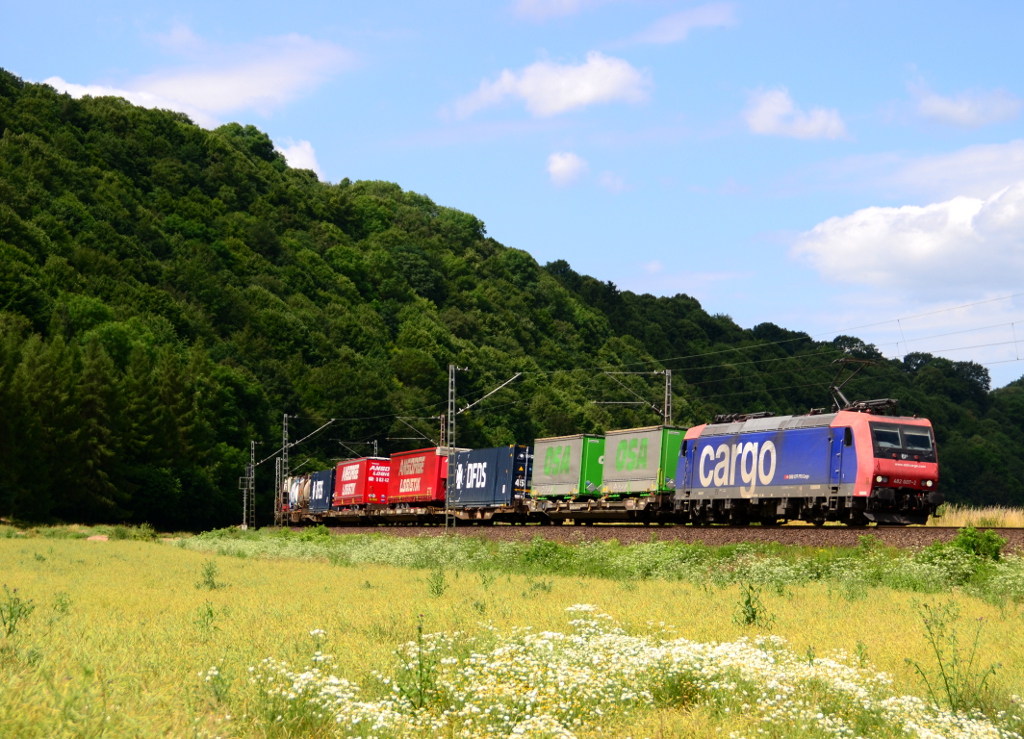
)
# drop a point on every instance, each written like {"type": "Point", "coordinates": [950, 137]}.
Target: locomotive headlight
{"type": "Point", "coordinates": [928, 483]}
{"type": "Point", "coordinates": [881, 479]}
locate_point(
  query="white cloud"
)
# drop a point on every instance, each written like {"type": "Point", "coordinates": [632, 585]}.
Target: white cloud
{"type": "Point", "coordinates": [136, 97]}
{"type": "Point", "coordinates": [549, 89]}
{"type": "Point", "coordinates": [262, 76]}
{"type": "Point", "coordinates": [654, 267]}
{"type": "Point", "coordinates": [773, 113]}
{"type": "Point", "coordinates": [270, 75]}
{"type": "Point", "coordinates": [301, 155]}
{"type": "Point", "coordinates": [677, 27]}
{"type": "Point", "coordinates": [977, 171]}
{"type": "Point", "coordinates": [540, 10]}
{"type": "Point", "coordinates": [180, 39]}
{"type": "Point", "coordinates": [611, 182]}
{"type": "Point", "coordinates": [969, 109]}
{"type": "Point", "coordinates": [960, 246]}
{"type": "Point", "coordinates": [565, 167]}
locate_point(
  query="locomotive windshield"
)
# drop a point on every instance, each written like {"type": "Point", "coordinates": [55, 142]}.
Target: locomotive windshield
{"type": "Point", "coordinates": [903, 442]}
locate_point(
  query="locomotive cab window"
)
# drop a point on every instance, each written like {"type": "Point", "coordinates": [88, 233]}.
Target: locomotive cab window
{"type": "Point", "coordinates": [847, 436]}
{"type": "Point", "coordinates": [902, 441]}
{"type": "Point", "coordinates": [886, 437]}
{"type": "Point", "coordinates": [917, 440]}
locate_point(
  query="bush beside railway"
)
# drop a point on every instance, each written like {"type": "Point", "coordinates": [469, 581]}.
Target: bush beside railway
{"type": "Point", "coordinates": [971, 562]}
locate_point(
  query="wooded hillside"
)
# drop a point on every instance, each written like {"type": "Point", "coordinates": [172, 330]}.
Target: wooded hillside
{"type": "Point", "coordinates": [167, 292]}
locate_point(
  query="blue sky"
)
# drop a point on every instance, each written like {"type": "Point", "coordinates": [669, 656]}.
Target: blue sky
{"type": "Point", "coordinates": [823, 166]}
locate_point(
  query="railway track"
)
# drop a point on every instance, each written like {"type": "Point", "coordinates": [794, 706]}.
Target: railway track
{"type": "Point", "coordinates": [827, 536]}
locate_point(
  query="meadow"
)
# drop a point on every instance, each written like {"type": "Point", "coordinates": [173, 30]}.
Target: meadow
{"type": "Point", "coordinates": [261, 635]}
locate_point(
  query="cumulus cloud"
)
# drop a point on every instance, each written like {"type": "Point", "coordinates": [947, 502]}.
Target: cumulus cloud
{"type": "Point", "coordinates": [565, 167]}
{"type": "Point", "coordinates": [677, 26]}
{"type": "Point", "coordinates": [301, 155]}
{"type": "Point", "coordinates": [262, 76]}
{"type": "Point", "coordinates": [962, 245]}
{"type": "Point", "coordinates": [611, 182]}
{"type": "Point", "coordinates": [548, 89]}
{"type": "Point", "coordinates": [773, 113]}
{"type": "Point", "coordinates": [970, 109]}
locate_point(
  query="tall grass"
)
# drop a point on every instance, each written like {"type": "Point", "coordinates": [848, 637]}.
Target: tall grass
{"type": "Point", "coordinates": [851, 570]}
{"type": "Point", "coordinates": [121, 643]}
{"type": "Point", "coordinates": [952, 514]}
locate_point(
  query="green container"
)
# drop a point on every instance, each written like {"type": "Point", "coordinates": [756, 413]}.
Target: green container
{"type": "Point", "coordinates": [642, 461]}
{"type": "Point", "coordinates": [568, 466]}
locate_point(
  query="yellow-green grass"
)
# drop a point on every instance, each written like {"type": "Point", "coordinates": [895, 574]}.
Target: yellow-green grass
{"type": "Point", "coordinates": [125, 659]}
{"type": "Point", "coordinates": [987, 517]}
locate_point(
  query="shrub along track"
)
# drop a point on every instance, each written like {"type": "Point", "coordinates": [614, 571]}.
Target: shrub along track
{"type": "Point", "coordinates": [827, 536]}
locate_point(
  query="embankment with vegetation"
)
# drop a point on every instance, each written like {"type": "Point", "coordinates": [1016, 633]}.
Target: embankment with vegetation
{"type": "Point", "coordinates": [304, 634]}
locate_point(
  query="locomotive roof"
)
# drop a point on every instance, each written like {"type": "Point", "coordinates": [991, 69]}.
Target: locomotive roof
{"type": "Point", "coordinates": [773, 423]}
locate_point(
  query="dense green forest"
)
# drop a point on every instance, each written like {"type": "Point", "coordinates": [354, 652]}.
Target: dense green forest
{"type": "Point", "coordinates": [167, 292]}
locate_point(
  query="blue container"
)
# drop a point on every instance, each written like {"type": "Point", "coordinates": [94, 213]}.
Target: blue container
{"type": "Point", "coordinates": [485, 478]}
{"type": "Point", "coordinates": [321, 490]}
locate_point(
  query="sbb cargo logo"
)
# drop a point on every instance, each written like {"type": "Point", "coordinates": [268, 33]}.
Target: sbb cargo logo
{"type": "Point", "coordinates": [475, 477]}
{"type": "Point", "coordinates": [756, 463]}
{"type": "Point", "coordinates": [631, 455]}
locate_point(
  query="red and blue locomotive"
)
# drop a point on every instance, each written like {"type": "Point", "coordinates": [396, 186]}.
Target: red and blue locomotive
{"type": "Point", "coordinates": [850, 466]}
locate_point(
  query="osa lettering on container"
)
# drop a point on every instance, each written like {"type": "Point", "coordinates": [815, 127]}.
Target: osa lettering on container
{"type": "Point", "coordinates": [556, 460]}
{"type": "Point", "coordinates": [631, 455]}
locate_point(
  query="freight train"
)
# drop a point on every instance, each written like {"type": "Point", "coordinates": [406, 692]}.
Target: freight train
{"type": "Point", "coordinates": [852, 466]}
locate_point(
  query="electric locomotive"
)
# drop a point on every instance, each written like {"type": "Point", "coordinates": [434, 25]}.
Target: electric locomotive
{"type": "Point", "coordinates": [850, 466]}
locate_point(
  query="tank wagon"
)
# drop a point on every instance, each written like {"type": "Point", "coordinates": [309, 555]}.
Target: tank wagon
{"type": "Point", "coordinates": [849, 466]}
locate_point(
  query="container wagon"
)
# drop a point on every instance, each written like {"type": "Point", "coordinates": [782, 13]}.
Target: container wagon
{"type": "Point", "coordinates": [359, 483]}
{"type": "Point", "coordinates": [491, 484]}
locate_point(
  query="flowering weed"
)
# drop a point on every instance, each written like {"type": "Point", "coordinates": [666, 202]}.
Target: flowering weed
{"type": "Point", "coordinates": [13, 610]}
{"type": "Point", "coordinates": [955, 678]}
{"type": "Point", "coordinates": [525, 683]}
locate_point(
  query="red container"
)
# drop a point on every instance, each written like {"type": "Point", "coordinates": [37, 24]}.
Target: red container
{"type": "Point", "coordinates": [361, 482]}
{"type": "Point", "coordinates": [418, 476]}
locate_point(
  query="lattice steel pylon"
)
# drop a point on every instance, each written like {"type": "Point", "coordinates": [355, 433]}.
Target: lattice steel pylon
{"type": "Point", "coordinates": [278, 498]}
{"type": "Point", "coordinates": [247, 484]}
{"type": "Point", "coordinates": [667, 408]}
{"type": "Point", "coordinates": [450, 434]}
{"type": "Point", "coordinates": [281, 475]}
